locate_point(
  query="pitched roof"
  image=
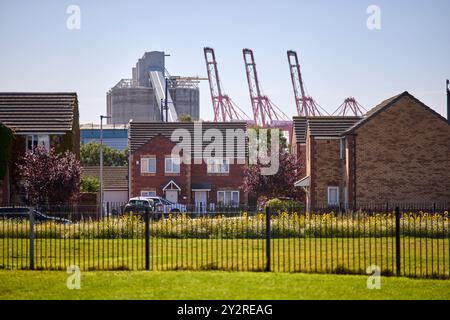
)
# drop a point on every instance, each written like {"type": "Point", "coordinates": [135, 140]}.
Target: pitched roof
{"type": "Point", "coordinates": [114, 178]}
{"type": "Point", "coordinates": [330, 126]}
{"type": "Point", "coordinates": [300, 125]}
{"type": "Point", "coordinates": [141, 132]}
{"type": "Point", "coordinates": [38, 112]}
{"type": "Point", "coordinates": [388, 103]}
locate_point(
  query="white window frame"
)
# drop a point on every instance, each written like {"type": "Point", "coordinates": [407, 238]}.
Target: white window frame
{"type": "Point", "coordinates": [224, 197]}
{"type": "Point", "coordinates": [148, 193]}
{"type": "Point", "coordinates": [218, 165]}
{"type": "Point", "coordinates": [36, 140]}
{"type": "Point", "coordinates": [145, 164]}
{"type": "Point", "coordinates": [330, 188]}
{"type": "Point", "coordinates": [171, 168]}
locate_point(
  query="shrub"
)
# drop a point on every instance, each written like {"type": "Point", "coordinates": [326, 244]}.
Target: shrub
{"type": "Point", "coordinates": [90, 184]}
{"type": "Point", "coordinates": [277, 204]}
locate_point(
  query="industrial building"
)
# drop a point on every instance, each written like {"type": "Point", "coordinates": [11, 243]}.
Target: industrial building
{"type": "Point", "coordinates": [114, 135]}
{"type": "Point", "coordinates": [142, 97]}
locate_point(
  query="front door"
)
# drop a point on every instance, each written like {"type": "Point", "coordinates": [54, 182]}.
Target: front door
{"type": "Point", "coordinates": [200, 201]}
{"type": "Point", "coordinates": [172, 195]}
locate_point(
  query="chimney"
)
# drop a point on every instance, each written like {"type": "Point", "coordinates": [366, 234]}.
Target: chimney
{"type": "Point", "coordinates": [448, 101]}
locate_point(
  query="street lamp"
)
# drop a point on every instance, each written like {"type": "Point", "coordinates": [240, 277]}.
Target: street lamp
{"type": "Point", "coordinates": [101, 162]}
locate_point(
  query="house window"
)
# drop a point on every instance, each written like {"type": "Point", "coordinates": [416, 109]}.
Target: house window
{"type": "Point", "coordinates": [228, 198]}
{"type": "Point", "coordinates": [216, 165]}
{"type": "Point", "coordinates": [32, 141]}
{"type": "Point", "coordinates": [172, 165]}
{"type": "Point", "coordinates": [148, 193]}
{"type": "Point", "coordinates": [148, 165]}
{"type": "Point", "coordinates": [333, 196]}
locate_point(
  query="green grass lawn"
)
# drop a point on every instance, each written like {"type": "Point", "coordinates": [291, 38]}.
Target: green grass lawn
{"type": "Point", "coordinates": [212, 285]}
{"type": "Point", "coordinates": [420, 256]}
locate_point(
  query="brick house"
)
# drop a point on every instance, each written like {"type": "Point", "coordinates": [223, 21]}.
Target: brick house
{"type": "Point", "coordinates": [48, 119]}
{"type": "Point", "coordinates": [398, 152]}
{"type": "Point", "coordinates": [204, 182]}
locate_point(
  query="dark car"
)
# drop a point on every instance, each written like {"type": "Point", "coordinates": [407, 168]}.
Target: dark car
{"type": "Point", "coordinates": [23, 213]}
{"type": "Point", "coordinates": [139, 205]}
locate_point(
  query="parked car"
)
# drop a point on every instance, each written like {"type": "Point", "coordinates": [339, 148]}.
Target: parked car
{"type": "Point", "coordinates": [139, 205]}
{"type": "Point", "coordinates": [159, 206]}
{"type": "Point", "coordinates": [23, 213]}
{"type": "Point", "coordinates": [165, 206]}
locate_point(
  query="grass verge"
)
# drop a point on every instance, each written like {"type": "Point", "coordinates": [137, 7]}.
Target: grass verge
{"type": "Point", "coordinates": [213, 285]}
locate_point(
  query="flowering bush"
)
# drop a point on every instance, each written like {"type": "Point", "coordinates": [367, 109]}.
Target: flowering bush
{"type": "Point", "coordinates": [245, 225]}
{"type": "Point", "coordinates": [49, 177]}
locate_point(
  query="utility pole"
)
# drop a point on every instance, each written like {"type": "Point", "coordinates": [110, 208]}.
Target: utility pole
{"type": "Point", "coordinates": [166, 106]}
{"type": "Point", "coordinates": [101, 162]}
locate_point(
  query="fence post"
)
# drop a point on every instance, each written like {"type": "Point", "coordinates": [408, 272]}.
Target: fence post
{"type": "Point", "coordinates": [147, 238]}
{"type": "Point", "coordinates": [397, 240]}
{"type": "Point", "coordinates": [31, 218]}
{"type": "Point", "coordinates": [267, 239]}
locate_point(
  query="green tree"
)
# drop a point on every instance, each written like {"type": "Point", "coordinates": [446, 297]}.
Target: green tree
{"type": "Point", "coordinates": [90, 184]}
{"type": "Point", "coordinates": [5, 150]}
{"type": "Point", "coordinates": [90, 155]}
{"type": "Point", "coordinates": [283, 140]}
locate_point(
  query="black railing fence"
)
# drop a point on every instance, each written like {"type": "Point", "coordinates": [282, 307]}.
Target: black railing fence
{"type": "Point", "coordinates": [399, 239]}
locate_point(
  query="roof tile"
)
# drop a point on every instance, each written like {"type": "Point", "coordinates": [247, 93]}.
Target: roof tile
{"type": "Point", "coordinates": [38, 112]}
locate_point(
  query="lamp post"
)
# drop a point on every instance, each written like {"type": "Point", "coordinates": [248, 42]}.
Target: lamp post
{"type": "Point", "coordinates": [101, 162]}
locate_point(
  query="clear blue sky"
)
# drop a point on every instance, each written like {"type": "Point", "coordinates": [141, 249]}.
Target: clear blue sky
{"type": "Point", "coordinates": [340, 56]}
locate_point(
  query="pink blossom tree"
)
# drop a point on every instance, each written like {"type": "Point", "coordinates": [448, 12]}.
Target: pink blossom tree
{"type": "Point", "coordinates": [49, 177]}
{"type": "Point", "coordinates": [281, 184]}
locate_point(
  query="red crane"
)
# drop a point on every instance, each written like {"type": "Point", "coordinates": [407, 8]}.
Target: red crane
{"type": "Point", "coordinates": [265, 112]}
{"type": "Point", "coordinates": [224, 108]}
{"type": "Point", "coordinates": [350, 107]}
{"type": "Point", "coordinates": [306, 106]}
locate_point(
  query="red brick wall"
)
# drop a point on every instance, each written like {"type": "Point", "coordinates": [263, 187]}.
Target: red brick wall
{"type": "Point", "coordinates": [301, 154]}
{"type": "Point", "coordinates": [229, 181]}
{"type": "Point", "coordinates": [327, 169]}
{"type": "Point", "coordinates": [403, 154]}
{"type": "Point", "coordinates": [161, 146]}
{"type": "Point", "coordinates": [349, 169]}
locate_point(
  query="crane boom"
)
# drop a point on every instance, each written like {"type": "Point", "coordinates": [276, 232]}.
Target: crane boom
{"type": "Point", "coordinates": [223, 107]}
{"type": "Point", "coordinates": [264, 111]}
{"type": "Point", "coordinates": [350, 107]}
{"type": "Point", "coordinates": [306, 105]}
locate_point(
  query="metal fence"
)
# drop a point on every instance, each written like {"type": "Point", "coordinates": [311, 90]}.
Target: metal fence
{"type": "Point", "coordinates": [405, 240]}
